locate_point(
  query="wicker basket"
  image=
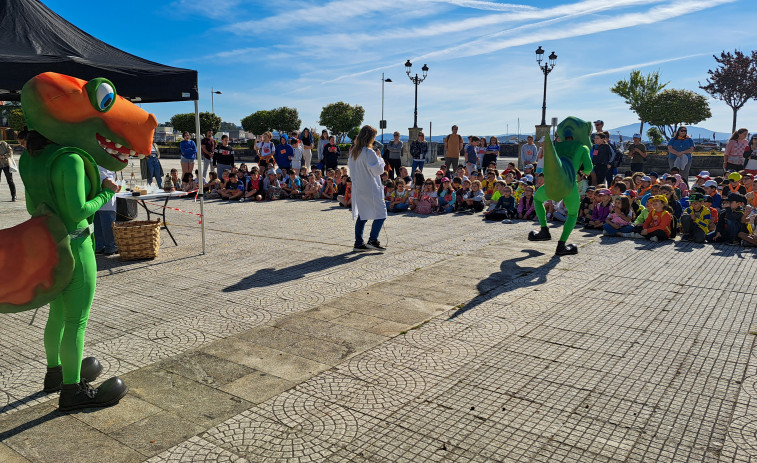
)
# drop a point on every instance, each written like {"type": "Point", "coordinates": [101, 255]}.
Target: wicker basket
{"type": "Point", "coordinates": [137, 239]}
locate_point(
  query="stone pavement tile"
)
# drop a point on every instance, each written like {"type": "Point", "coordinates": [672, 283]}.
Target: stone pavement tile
{"type": "Point", "coordinates": [376, 296]}
{"type": "Point", "coordinates": [387, 442]}
{"type": "Point", "coordinates": [56, 434]}
{"type": "Point", "coordinates": [501, 441]}
{"type": "Point", "coordinates": [558, 396]}
{"type": "Point", "coordinates": [320, 350]}
{"type": "Point", "coordinates": [332, 309]}
{"type": "Point", "coordinates": [291, 427]}
{"type": "Point", "coordinates": [204, 368]}
{"type": "Point", "coordinates": [271, 361]}
{"type": "Point", "coordinates": [156, 433]}
{"type": "Point", "coordinates": [651, 448]}
{"type": "Point", "coordinates": [129, 410]}
{"type": "Point", "coordinates": [554, 452]}
{"type": "Point", "coordinates": [192, 401]}
{"type": "Point", "coordinates": [621, 412]}
{"type": "Point", "coordinates": [599, 437]}
{"type": "Point", "coordinates": [257, 387]}
{"type": "Point", "coordinates": [7, 455]}
{"type": "Point", "coordinates": [353, 339]}
{"type": "Point", "coordinates": [196, 450]}
{"type": "Point", "coordinates": [438, 422]}
{"type": "Point", "coordinates": [271, 336]}
{"type": "Point", "coordinates": [388, 328]}
{"type": "Point", "coordinates": [357, 321]}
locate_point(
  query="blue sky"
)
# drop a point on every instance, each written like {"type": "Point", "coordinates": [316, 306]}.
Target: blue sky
{"type": "Point", "coordinates": [483, 75]}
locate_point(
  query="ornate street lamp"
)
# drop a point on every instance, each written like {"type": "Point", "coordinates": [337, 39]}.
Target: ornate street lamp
{"type": "Point", "coordinates": [546, 68]}
{"type": "Point", "coordinates": [416, 80]}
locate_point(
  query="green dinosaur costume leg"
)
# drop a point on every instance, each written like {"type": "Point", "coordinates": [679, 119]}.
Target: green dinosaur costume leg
{"type": "Point", "coordinates": [572, 205]}
{"type": "Point", "coordinates": [69, 313]}
{"type": "Point", "coordinates": [539, 198]}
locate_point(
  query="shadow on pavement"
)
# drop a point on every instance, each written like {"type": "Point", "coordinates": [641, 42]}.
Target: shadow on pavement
{"type": "Point", "coordinates": [498, 283]}
{"type": "Point", "coordinates": [268, 276]}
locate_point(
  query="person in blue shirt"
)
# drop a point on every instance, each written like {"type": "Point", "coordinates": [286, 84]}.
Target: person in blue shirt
{"type": "Point", "coordinates": [471, 154]}
{"type": "Point", "coordinates": [234, 188]}
{"type": "Point", "coordinates": [188, 154]}
{"type": "Point", "coordinates": [681, 145]}
{"type": "Point", "coordinates": [284, 153]}
{"type": "Point", "coordinates": [711, 189]}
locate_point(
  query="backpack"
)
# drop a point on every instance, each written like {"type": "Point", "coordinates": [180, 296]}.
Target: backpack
{"type": "Point", "coordinates": [617, 156]}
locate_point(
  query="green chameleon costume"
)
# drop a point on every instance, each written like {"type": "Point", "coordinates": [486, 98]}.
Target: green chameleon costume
{"type": "Point", "coordinates": [561, 162]}
{"type": "Point", "coordinates": [74, 126]}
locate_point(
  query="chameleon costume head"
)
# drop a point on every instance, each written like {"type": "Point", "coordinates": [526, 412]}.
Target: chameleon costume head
{"type": "Point", "coordinates": [88, 115]}
{"type": "Point", "coordinates": [561, 163]}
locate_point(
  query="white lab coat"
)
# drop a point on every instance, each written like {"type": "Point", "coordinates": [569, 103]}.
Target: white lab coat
{"type": "Point", "coordinates": [367, 191]}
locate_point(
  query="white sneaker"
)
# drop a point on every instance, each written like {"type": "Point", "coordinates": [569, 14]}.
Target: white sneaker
{"type": "Point", "coordinates": [654, 239]}
{"type": "Point", "coordinates": [627, 235]}
{"type": "Point", "coordinates": [638, 236]}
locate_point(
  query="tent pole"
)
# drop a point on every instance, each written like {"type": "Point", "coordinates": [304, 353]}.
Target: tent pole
{"type": "Point", "coordinates": [201, 191]}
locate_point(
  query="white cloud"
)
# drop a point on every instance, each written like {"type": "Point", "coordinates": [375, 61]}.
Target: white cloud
{"type": "Point", "coordinates": [636, 66]}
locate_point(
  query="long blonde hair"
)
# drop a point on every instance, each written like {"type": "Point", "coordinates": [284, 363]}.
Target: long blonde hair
{"type": "Point", "coordinates": [364, 139]}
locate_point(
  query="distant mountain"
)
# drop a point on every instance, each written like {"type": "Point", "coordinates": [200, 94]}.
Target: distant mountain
{"type": "Point", "coordinates": [695, 132]}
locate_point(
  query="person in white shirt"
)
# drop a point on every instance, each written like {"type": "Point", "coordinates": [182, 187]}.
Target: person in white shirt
{"type": "Point", "coordinates": [528, 152]}
{"type": "Point", "coordinates": [105, 242]}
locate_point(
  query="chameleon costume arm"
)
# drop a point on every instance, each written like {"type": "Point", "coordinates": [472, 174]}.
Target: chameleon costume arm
{"type": "Point", "coordinates": [561, 162]}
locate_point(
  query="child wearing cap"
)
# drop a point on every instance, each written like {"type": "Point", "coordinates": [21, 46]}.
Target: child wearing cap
{"type": "Point", "coordinates": [526, 209]}
{"type": "Point", "coordinates": [659, 222]}
{"type": "Point", "coordinates": [506, 203]}
{"type": "Point", "coordinates": [695, 220]}
{"type": "Point", "coordinates": [711, 189]}
{"type": "Point", "coordinates": [601, 210]}
{"type": "Point", "coordinates": [489, 185]}
{"type": "Point", "coordinates": [646, 185]}
{"type": "Point", "coordinates": [731, 222]}
{"type": "Point", "coordinates": [734, 185]}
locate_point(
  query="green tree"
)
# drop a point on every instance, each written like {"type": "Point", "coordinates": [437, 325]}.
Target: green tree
{"type": "Point", "coordinates": [734, 81]}
{"type": "Point", "coordinates": [285, 120]}
{"type": "Point", "coordinates": [186, 122]}
{"type": "Point", "coordinates": [226, 126]}
{"type": "Point", "coordinates": [637, 91]}
{"type": "Point", "coordinates": [353, 133]}
{"type": "Point", "coordinates": [341, 117]}
{"type": "Point", "coordinates": [16, 119]}
{"type": "Point", "coordinates": [258, 122]}
{"type": "Point", "coordinates": [655, 136]}
{"type": "Point", "coordinates": [671, 108]}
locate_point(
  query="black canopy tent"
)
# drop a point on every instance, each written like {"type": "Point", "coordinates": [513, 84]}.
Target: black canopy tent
{"type": "Point", "coordinates": [33, 40]}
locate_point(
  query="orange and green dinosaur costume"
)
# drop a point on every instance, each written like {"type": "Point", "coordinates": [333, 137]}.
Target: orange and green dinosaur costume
{"type": "Point", "coordinates": [74, 126]}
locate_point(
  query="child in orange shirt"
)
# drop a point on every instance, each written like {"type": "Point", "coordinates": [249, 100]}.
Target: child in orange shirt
{"type": "Point", "coordinates": [658, 225]}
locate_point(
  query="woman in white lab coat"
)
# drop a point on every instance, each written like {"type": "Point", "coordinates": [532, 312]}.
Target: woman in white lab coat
{"type": "Point", "coordinates": [367, 191]}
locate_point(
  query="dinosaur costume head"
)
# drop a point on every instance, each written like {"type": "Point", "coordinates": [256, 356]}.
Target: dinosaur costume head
{"type": "Point", "coordinates": [88, 115]}
{"type": "Point", "coordinates": [578, 130]}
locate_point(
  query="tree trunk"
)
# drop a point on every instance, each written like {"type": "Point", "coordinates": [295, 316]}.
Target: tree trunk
{"type": "Point", "coordinates": [641, 127]}
{"type": "Point", "coordinates": [733, 128]}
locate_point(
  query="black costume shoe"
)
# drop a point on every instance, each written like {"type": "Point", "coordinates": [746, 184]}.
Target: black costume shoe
{"type": "Point", "coordinates": [565, 249]}
{"type": "Point", "coordinates": [82, 395]}
{"type": "Point", "coordinates": [543, 235]}
{"type": "Point", "coordinates": [90, 370]}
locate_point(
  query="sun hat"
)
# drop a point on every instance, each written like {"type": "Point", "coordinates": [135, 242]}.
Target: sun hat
{"type": "Point", "coordinates": [630, 193]}
{"type": "Point", "coordinates": [445, 179]}
{"type": "Point", "coordinates": [646, 179]}
{"type": "Point", "coordinates": [711, 183]}
{"type": "Point", "coordinates": [661, 198]}
{"type": "Point", "coordinates": [439, 172]}
{"type": "Point", "coordinates": [704, 174]}
{"type": "Point", "coordinates": [696, 197]}
{"type": "Point", "coordinates": [605, 191]}
{"type": "Point", "coordinates": [528, 178]}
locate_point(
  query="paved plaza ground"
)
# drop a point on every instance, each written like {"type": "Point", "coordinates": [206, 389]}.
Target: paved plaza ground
{"type": "Point", "coordinates": [463, 342]}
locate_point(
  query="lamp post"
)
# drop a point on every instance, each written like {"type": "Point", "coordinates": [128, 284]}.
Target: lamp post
{"type": "Point", "coordinates": [416, 80]}
{"type": "Point", "coordinates": [382, 122]}
{"type": "Point", "coordinates": [212, 103]}
{"type": "Point", "coordinates": [546, 68]}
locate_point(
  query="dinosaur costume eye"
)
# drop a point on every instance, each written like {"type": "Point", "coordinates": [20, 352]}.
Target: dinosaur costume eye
{"type": "Point", "coordinates": [102, 93]}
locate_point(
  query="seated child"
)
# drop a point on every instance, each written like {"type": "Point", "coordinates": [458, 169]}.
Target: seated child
{"type": "Point", "coordinates": [601, 210]}
{"type": "Point", "coordinates": [213, 186]}
{"type": "Point", "coordinates": [500, 186]}
{"type": "Point", "coordinates": [619, 220]}
{"type": "Point", "coordinates": [504, 209]}
{"type": "Point", "coordinates": [253, 189]}
{"type": "Point", "coordinates": [399, 199]}
{"type": "Point", "coordinates": [561, 212]}
{"type": "Point", "coordinates": [464, 190]}
{"type": "Point", "coordinates": [587, 205]}
{"type": "Point", "coordinates": [234, 188]}
{"type": "Point", "coordinates": [313, 189]}
{"type": "Point", "coordinates": [473, 201]}
{"type": "Point", "coordinates": [389, 186]}
{"type": "Point", "coordinates": [345, 200]}
{"type": "Point", "coordinates": [272, 187]}
{"type": "Point", "coordinates": [659, 222]}
{"type": "Point", "coordinates": [427, 203]}
{"type": "Point", "coordinates": [446, 196]}
{"type": "Point", "coordinates": [329, 190]}
{"type": "Point", "coordinates": [731, 221]}
{"type": "Point", "coordinates": [695, 220]}
{"type": "Point", "coordinates": [292, 186]}
{"type": "Point", "coordinates": [526, 209]}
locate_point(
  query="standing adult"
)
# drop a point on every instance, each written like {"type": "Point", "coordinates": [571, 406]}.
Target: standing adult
{"type": "Point", "coordinates": [395, 155]}
{"type": "Point", "coordinates": [602, 160]}
{"type": "Point", "coordinates": [307, 148]}
{"type": "Point", "coordinates": [418, 151]}
{"type": "Point", "coordinates": [208, 148]}
{"type": "Point", "coordinates": [453, 144]}
{"type": "Point", "coordinates": [751, 157]}
{"type": "Point", "coordinates": [528, 152]}
{"type": "Point", "coordinates": [599, 127]}
{"type": "Point", "coordinates": [323, 141]}
{"type": "Point", "coordinates": [6, 158]}
{"type": "Point", "coordinates": [678, 146]}
{"type": "Point", "coordinates": [224, 156]}
{"type": "Point", "coordinates": [492, 151]}
{"type": "Point", "coordinates": [188, 154]}
{"type": "Point", "coordinates": [733, 158]}
{"type": "Point", "coordinates": [367, 191]}
{"type": "Point", "coordinates": [150, 167]}
{"type": "Point", "coordinates": [638, 153]}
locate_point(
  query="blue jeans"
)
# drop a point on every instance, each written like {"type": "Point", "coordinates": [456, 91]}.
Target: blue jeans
{"type": "Point", "coordinates": [731, 232]}
{"type": "Point", "coordinates": [417, 164]}
{"type": "Point", "coordinates": [220, 168]}
{"type": "Point", "coordinates": [399, 207]}
{"type": "Point", "coordinates": [612, 230]}
{"type": "Point", "coordinates": [104, 239]}
{"type": "Point", "coordinates": [153, 171]}
{"type": "Point", "coordinates": [360, 226]}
